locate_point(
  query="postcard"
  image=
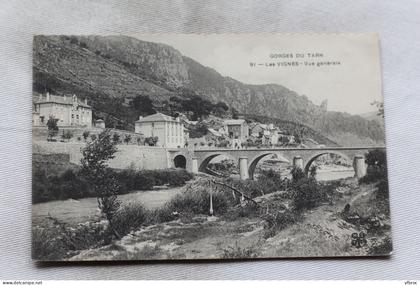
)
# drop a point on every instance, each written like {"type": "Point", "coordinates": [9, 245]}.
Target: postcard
{"type": "Point", "coordinates": [217, 146]}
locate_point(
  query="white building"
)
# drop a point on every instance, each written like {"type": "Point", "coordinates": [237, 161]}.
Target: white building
{"type": "Point", "coordinates": [169, 131]}
{"type": "Point", "coordinates": [68, 110]}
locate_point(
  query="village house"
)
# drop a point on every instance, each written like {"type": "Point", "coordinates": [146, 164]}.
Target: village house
{"type": "Point", "coordinates": [237, 131]}
{"type": "Point", "coordinates": [68, 110]}
{"type": "Point", "coordinates": [169, 131]}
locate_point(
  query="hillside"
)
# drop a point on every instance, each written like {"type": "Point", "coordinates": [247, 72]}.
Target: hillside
{"type": "Point", "coordinates": [108, 69]}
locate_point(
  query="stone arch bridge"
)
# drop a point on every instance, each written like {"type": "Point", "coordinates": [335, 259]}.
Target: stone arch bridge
{"type": "Point", "coordinates": [197, 160]}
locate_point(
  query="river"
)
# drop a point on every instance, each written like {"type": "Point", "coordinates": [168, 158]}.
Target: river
{"type": "Point", "coordinates": [77, 211]}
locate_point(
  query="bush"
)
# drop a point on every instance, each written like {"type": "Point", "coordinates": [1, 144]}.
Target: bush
{"type": "Point", "coordinates": [131, 180]}
{"type": "Point", "coordinates": [64, 186]}
{"type": "Point", "coordinates": [377, 172]}
{"type": "Point", "coordinates": [279, 221]}
{"type": "Point", "coordinates": [129, 217]}
{"type": "Point", "coordinates": [238, 252]}
{"type": "Point", "coordinates": [297, 174]}
{"type": "Point", "coordinates": [376, 166]}
{"type": "Point", "coordinates": [57, 240]}
{"type": "Point", "coordinates": [306, 194]}
{"type": "Point", "coordinates": [72, 185]}
{"type": "Point", "coordinates": [172, 177]}
{"type": "Point", "coordinates": [194, 201]}
{"type": "Point", "coordinates": [268, 182]}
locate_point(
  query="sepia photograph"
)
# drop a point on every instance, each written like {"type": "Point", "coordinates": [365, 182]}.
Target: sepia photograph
{"type": "Point", "coordinates": [208, 146]}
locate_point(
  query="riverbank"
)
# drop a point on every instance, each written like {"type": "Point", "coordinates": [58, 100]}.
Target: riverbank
{"type": "Point", "coordinates": [321, 231]}
{"type": "Point", "coordinates": [73, 211]}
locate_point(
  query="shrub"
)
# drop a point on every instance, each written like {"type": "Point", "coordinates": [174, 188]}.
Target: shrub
{"type": "Point", "coordinates": [297, 173]}
{"type": "Point", "coordinates": [306, 194]}
{"type": "Point", "coordinates": [131, 180]}
{"type": "Point", "coordinates": [279, 221]}
{"type": "Point", "coordinates": [82, 44]}
{"type": "Point", "coordinates": [238, 252]}
{"type": "Point", "coordinates": [127, 139]}
{"type": "Point", "coordinates": [197, 201]}
{"type": "Point", "coordinates": [267, 183]}
{"type": "Point", "coordinates": [52, 127]}
{"type": "Point", "coordinates": [46, 245]}
{"type": "Point", "coordinates": [377, 172]}
{"type": "Point", "coordinates": [57, 240]}
{"type": "Point", "coordinates": [116, 138]}
{"type": "Point", "coordinates": [129, 217]}
{"type": "Point", "coordinates": [376, 166]}
{"type": "Point", "coordinates": [382, 248]}
{"type": "Point", "coordinates": [67, 185]}
{"type": "Point", "coordinates": [67, 135]}
{"type": "Point", "coordinates": [172, 177]}
{"type": "Point", "coordinates": [71, 184]}
{"type": "Point", "coordinates": [85, 135]}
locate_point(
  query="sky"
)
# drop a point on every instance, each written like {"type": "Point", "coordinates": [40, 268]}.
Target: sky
{"type": "Point", "coordinates": [351, 85]}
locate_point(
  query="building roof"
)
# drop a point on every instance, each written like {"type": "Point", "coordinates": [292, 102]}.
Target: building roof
{"type": "Point", "coordinates": [234, 122]}
{"type": "Point", "coordinates": [158, 117]}
{"type": "Point", "coordinates": [214, 132]}
{"type": "Point", "coordinates": [58, 99]}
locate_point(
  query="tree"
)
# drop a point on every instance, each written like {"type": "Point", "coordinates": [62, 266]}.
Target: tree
{"type": "Point", "coordinates": [143, 105]}
{"type": "Point", "coordinates": [380, 107]}
{"type": "Point", "coordinates": [313, 171]}
{"type": "Point", "coordinates": [86, 135]}
{"type": "Point", "coordinates": [235, 113]}
{"type": "Point", "coordinates": [199, 130]}
{"type": "Point", "coordinates": [151, 141]}
{"type": "Point", "coordinates": [94, 168]}
{"type": "Point", "coordinates": [52, 127]}
{"type": "Point", "coordinates": [67, 135]}
{"type": "Point", "coordinates": [220, 109]}
{"type": "Point", "coordinates": [297, 174]}
{"type": "Point", "coordinates": [116, 138]}
{"type": "Point", "coordinates": [139, 140]}
{"type": "Point", "coordinates": [127, 138]}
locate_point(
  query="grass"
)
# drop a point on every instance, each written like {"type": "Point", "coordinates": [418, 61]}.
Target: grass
{"type": "Point", "coordinates": [237, 252]}
{"type": "Point", "coordinates": [130, 217]}
{"type": "Point", "coordinates": [55, 240]}
{"type": "Point", "coordinates": [145, 253]}
{"type": "Point", "coordinates": [310, 240]}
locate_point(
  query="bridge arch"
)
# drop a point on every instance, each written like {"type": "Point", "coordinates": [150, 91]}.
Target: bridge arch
{"type": "Point", "coordinates": [312, 158]}
{"type": "Point", "coordinates": [253, 163]}
{"type": "Point", "coordinates": [204, 163]}
{"type": "Point", "coordinates": [180, 161]}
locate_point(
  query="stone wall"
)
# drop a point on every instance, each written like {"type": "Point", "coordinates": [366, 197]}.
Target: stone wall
{"type": "Point", "coordinates": [139, 157]}
{"type": "Point", "coordinates": [41, 133]}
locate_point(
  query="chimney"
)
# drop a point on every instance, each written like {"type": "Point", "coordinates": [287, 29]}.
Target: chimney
{"type": "Point", "coordinates": [140, 117]}
{"type": "Point", "coordinates": [65, 97]}
{"type": "Point", "coordinates": [48, 96]}
{"type": "Point", "coordinates": [85, 101]}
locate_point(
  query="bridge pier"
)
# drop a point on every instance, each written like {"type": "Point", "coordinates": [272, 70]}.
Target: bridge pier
{"type": "Point", "coordinates": [194, 165]}
{"type": "Point", "coordinates": [243, 168]}
{"type": "Point", "coordinates": [359, 166]}
{"type": "Point", "coordinates": [298, 162]}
